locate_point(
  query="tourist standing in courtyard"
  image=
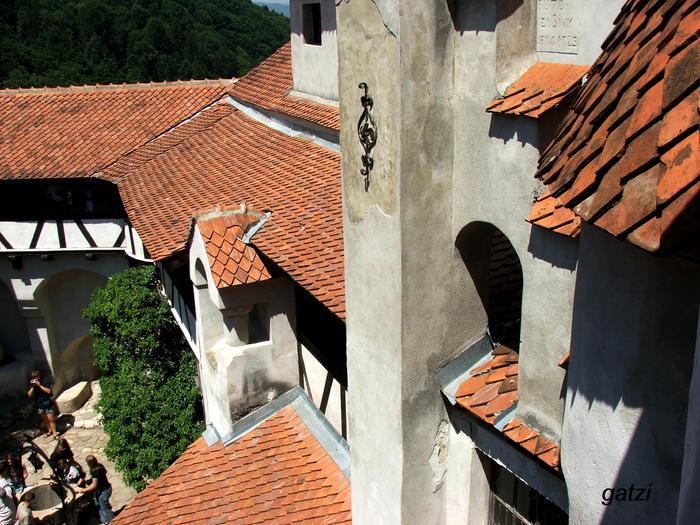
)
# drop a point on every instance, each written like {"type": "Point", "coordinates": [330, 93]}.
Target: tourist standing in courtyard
{"type": "Point", "coordinates": [41, 391]}
{"type": "Point", "coordinates": [100, 487]}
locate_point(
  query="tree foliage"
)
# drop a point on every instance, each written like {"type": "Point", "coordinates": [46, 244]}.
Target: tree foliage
{"type": "Point", "coordinates": [150, 403]}
{"type": "Point", "coordinates": [62, 43]}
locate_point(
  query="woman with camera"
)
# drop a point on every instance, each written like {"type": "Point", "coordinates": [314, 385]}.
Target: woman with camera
{"type": "Point", "coordinates": [40, 390]}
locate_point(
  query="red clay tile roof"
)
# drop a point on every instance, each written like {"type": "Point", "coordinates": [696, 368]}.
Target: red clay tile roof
{"type": "Point", "coordinates": [542, 87]}
{"type": "Point", "coordinates": [222, 156]}
{"type": "Point", "coordinates": [548, 212]}
{"type": "Point", "coordinates": [491, 390]}
{"type": "Point", "coordinates": [231, 260]}
{"type": "Point", "coordinates": [546, 450]}
{"type": "Point", "coordinates": [276, 473]}
{"type": "Point", "coordinates": [77, 131]}
{"type": "Point", "coordinates": [627, 157]}
{"type": "Point", "coordinates": [268, 85]}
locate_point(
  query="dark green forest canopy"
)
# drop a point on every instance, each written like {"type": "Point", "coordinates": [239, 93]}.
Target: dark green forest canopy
{"type": "Point", "coordinates": [63, 43]}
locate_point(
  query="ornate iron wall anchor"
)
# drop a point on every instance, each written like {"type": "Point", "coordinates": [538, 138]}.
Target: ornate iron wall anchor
{"type": "Point", "coordinates": [367, 132]}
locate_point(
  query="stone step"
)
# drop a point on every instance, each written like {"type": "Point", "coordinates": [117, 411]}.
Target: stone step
{"type": "Point", "coordinates": [72, 399]}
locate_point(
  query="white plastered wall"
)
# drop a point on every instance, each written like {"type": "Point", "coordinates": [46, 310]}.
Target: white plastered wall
{"type": "Point", "coordinates": [47, 296]}
{"type": "Point", "coordinates": [314, 67]}
{"type": "Point", "coordinates": [236, 378]}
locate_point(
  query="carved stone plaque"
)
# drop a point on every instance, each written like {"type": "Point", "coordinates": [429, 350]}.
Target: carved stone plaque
{"type": "Point", "coordinates": [558, 26]}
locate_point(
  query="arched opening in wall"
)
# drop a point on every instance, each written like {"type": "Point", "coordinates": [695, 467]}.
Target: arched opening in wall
{"type": "Point", "coordinates": [77, 361]}
{"type": "Point", "coordinates": [61, 298]}
{"type": "Point", "coordinates": [14, 337]}
{"type": "Point", "coordinates": [200, 276]}
{"type": "Point", "coordinates": [495, 269]}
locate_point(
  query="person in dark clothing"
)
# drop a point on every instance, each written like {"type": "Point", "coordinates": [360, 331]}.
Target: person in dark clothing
{"type": "Point", "coordinates": [100, 487]}
{"type": "Point", "coordinates": [41, 390]}
{"type": "Point", "coordinates": [62, 451]}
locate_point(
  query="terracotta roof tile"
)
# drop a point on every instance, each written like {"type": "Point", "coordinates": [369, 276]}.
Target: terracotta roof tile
{"type": "Point", "coordinates": [491, 390]}
{"type": "Point", "coordinates": [241, 483]}
{"type": "Point", "coordinates": [641, 101]}
{"type": "Point", "coordinates": [77, 131]}
{"type": "Point", "coordinates": [162, 183]}
{"type": "Point", "coordinates": [542, 87]}
{"type": "Point", "coordinates": [547, 212]}
{"type": "Point", "coordinates": [231, 260]}
{"type": "Point", "coordinates": [268, 86]}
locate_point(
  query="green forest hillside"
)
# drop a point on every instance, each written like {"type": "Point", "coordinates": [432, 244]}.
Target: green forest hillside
{"type": "Point", "coordinates": [76, 42]}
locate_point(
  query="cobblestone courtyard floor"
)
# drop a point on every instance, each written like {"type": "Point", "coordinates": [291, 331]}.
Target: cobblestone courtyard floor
{"type": "Point", "coordinates": [84, 432]}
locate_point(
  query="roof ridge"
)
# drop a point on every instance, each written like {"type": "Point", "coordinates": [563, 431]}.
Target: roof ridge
{"type": "Point", "coordinates": [114, 87]}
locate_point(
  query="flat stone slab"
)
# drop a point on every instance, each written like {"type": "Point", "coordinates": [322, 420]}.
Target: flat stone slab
{"type": "Point", "coordinates": [74, 398]}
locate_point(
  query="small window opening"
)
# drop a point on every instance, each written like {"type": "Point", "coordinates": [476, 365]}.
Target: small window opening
{"type": "Point", "coordinates": [513, 502]}
{"type": "Point", "coordinates": [258, 324]}
{"type": "Point", "coordinates": [312, 24]}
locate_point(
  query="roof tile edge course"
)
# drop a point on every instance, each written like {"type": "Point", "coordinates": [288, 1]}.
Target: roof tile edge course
{"type": "Point", "coordinates": [539, 89]}
{"type": "Point", "coordinates": [220, 210]}
{"type": "Point", "coordinates": [503, 399]}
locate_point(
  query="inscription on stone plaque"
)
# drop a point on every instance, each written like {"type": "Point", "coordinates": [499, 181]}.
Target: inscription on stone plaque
{"type": "Point", "coordinates": [558, 26]}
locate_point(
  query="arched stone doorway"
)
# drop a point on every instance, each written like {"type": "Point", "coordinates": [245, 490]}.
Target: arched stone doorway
{"type": "Point", "coordinates": [61, 298]}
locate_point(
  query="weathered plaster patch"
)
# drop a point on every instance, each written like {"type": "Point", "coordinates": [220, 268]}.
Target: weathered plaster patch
{"type": "Point", "coordinates": [438, 459]}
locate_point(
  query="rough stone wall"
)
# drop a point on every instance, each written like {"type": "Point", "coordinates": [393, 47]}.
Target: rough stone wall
{"type": "Point", "coordinates": [418, 240]}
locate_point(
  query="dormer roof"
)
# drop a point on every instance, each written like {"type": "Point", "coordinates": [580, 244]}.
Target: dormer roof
{"type": "Point", "coordinates": [542, 87]}
{"type": "Point", "coordinates": [286, 465]}
{"type": "Point", "coordinates": [225, 229]}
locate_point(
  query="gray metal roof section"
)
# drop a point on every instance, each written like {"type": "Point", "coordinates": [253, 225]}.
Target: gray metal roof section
{"type": "Point", "coordinates": [456, 372]}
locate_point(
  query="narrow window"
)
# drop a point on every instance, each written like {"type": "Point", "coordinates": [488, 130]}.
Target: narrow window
{"type": "Point", "coordinates": [494, 267]}
{"type": "Point", "coordinates": [312, 24]}
{"type": "Point", "coordinates": [514, 502]}
{"type": "Point", "coordinates": [258, 324]}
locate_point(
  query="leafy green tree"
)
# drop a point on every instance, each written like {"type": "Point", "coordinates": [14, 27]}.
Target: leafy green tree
{"type": "Point", "coordinates": [150, 403]}
{"type": "Point", "coordinates": [55, 42]}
